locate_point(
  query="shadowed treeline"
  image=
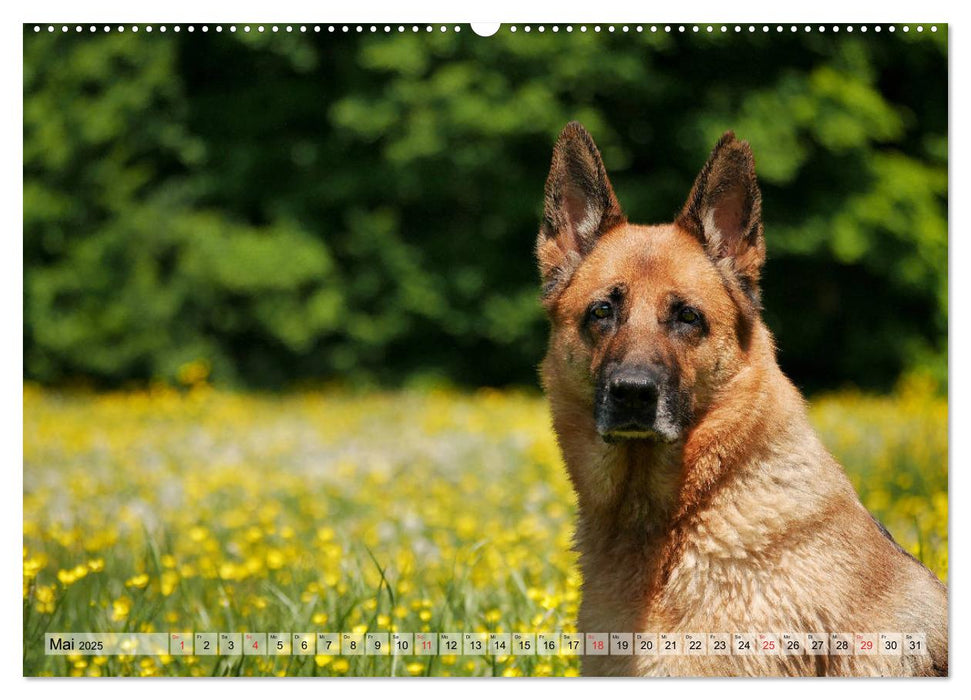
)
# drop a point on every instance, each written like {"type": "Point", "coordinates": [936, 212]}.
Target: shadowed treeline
{"type": "Point", "coordinates": [285, 207]}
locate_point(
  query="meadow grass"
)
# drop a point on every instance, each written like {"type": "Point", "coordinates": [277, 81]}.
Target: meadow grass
{"type": "Point", "coordinates": [204, 510]}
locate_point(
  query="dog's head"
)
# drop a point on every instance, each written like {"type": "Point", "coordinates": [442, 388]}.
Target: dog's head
{"type": "Point", "coordinates": [649, 323]}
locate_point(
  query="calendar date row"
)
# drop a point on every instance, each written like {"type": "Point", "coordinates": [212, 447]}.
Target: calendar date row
{"type": "Point", "coordinates": [488, 643]}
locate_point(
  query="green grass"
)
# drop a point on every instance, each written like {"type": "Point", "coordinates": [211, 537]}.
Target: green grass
{"type": "Point", "coordinates": [213, 511]}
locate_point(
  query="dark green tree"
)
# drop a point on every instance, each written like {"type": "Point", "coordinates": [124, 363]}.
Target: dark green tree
{"type": "Point", "coordinates": [292, 206]}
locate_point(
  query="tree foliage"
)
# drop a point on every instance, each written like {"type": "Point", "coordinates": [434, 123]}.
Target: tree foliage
{"type": "Point", "coordinates": [293, 206]}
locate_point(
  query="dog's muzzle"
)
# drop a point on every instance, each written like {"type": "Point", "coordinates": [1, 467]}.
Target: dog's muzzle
{"type": "Point", "coordinates": [627, 405]}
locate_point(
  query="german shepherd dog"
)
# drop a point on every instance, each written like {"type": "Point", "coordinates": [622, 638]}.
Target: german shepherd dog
{"type": "Point", "coordinates": [706, 502]}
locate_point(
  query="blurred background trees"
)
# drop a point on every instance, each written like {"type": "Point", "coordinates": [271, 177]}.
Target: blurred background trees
{"type": "Point", "coordinates": [288, 207]}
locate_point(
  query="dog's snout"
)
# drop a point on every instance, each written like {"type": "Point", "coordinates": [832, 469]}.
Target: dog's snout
{"type": "Point", "coordinates": [633, 390]}
{"type": "Point", "coordinates": [629, 401]}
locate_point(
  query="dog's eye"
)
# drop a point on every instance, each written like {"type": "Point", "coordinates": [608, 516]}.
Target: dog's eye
{"type": "Point", "coordinates": [688, 315]}
{"type": "Point", "coordinates": [601, 310]}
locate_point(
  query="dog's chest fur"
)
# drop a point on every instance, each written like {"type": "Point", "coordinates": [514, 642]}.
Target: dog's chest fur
{"type": "Point", "coordinates": [714, 586]}
{"type": "Point", "coordinates": [762, 556]}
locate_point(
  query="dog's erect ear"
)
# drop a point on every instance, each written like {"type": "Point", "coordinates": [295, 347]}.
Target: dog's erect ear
{"type": "Point", "coordinates": [580, 205]}
{"type": "Point", "coordinates": [724, 211]}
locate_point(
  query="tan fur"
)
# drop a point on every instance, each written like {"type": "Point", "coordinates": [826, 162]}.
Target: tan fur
{"type": "Point", "coordinates": [745, 523]}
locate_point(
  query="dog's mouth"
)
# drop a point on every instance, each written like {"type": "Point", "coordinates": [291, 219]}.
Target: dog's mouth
{"type": "Point", "coordinates": [633, 432]}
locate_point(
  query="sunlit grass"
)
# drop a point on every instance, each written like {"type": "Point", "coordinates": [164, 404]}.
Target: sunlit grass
{"type": "Point", "coordinates": [204, 510]}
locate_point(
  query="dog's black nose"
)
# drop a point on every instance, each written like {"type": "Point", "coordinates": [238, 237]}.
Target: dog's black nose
{"type": "Point", "coordinates": [633, 390]}
{"type": "Point", "coordinates": [627, 402]}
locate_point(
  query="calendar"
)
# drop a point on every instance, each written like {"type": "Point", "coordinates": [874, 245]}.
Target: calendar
{"type": "Point", "coordinates": [281, 312]}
